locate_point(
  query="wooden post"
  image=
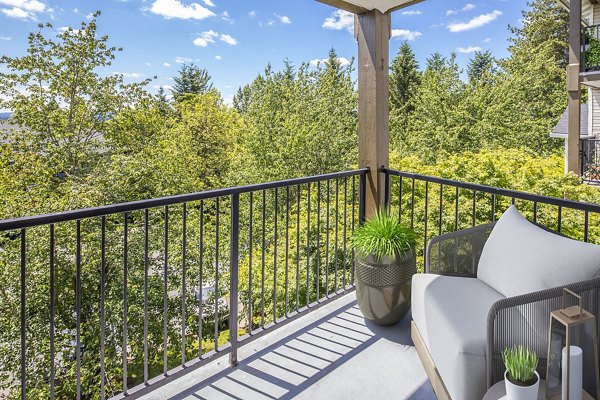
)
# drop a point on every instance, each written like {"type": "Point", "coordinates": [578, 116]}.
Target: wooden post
{"type": "Point", "coordinates": [372, 31]}
{"type": "Point", "coordinates": [574, 88]}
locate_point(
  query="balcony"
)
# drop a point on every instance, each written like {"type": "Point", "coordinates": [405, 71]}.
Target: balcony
{"type": "Point", "coordinates": [590, 160]}
{"type": "Point", "coordinates": [590, 48]}
{"type": "Point", "coordinates": [146, 299]}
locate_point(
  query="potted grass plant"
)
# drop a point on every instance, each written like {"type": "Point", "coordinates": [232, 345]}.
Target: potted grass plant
{"type": "Point", "coordinates": [521, 378]}
{"type": "Point", "coordinates": [385, 264]}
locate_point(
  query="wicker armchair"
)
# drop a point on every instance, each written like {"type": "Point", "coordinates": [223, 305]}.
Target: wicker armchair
{"type": "Point", "coordinates": [458, 254]}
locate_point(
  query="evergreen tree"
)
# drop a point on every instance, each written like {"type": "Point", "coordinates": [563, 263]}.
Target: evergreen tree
{"type": "Point", "coordinates": [191, 80]}
{"type": "Point", "coordinates": [404, 79]}
{"type": "Point", "coordinates": [163, 102]}
{"type": "Point", "coordinates": [482, 68]}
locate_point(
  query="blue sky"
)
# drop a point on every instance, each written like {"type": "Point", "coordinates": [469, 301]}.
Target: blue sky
{"type": "Point", "coordinates": [235, 39]}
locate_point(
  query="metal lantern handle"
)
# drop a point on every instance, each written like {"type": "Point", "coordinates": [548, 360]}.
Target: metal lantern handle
{"type": "Point", "coordinates": [566, 293]}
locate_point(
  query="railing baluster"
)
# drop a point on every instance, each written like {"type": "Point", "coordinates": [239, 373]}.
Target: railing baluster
{"type": "Point", "coordinates": [412, 205]}
{"type": "Point", "coordinates": [201, 281]}
{"type": "Point", "coordinates": [125, 231]}
{"type": "Point", "coordinates": [318, 270]}
{"type": "Point", "coordinates": [250, 265]}
{"type": "Point", "coordinates": [362, 200]}
{"type": "Point", "coordinates": [493, 207]}
{"type": "Point", "coordinates": [308, 246]}
{"type": "Point", "coordinates": [337, 220]}
{"type": "Point", "coordinates": [456, 196]}
{"type": "Point", "coordinates": [287, 246]}
{"type": "Point", "coordinates": [345, 230]}
{"type": "Point", "coordinates": [216, 292]}
{"type": "Point", "coordinates": [559, 219]}
{"type": "Point", "coordinates": [262, 275]}
{"type": "Point", "coordinates": [275, 259]}
{"type": "Point", "coordinates": [441, 209]}
{"type": "Point", "coordinates": [586, 226]}
{"type": "Point", "coordinates": [146, 265]}
{"type": "Point", "coordinates": [23, 316]}
{"type": "Point", "coordinates": [327, 241]}
{"type": "Point", "coordinates": [183, 294]}
{"type": "Point", "coordinates": [474, 215]}
{"type": "Point", "coordinates": [425, 219]}
{"type": "Point", "coordinates": [297, 247]}
{"type": "Point", "coordinates": [535, 211]}
{"type": "Point", "coordinates": [387, 190]}
{"type": "Point", "coordinates": [52, 369]}
{"type": "Point", "coordinates": [102, 316]}
{"type": "Point", "coordinates": [78, 308]}
{"type": "Point", "coordinates": [399, 199]}
{"type": "Point", "coordinates": [352, 228]}
{"type": "Point", "coordinates": [233, 282]}
{"type": "Point", "coordinates": [165, 292]}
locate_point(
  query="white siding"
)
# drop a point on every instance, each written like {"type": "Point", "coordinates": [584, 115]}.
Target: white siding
{"type": "Point", "coordinates": [595, 111]}
{"type": "Point", "coordinates": [596, 13]}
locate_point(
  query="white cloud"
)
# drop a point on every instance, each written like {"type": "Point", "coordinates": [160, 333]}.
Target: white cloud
{"type": "Point", "coordinates": [252, 14]}
{"type": "Point", "coordinates": [487, 40]}
{"type": "Point", "coordinates": [147, 64]}
{"type": "Point", "coordinates": [90, 16]}
{"type": "Point", "coordinates": [166, 87]}
{"type": "Point", "coordinates": [339, 20]}
{"type": "Point", "coordinates": [343, 61]}
{"type": "Point", "coordinates": [166, 65]}
{"type": "Point", "coordinates": [228, 39]}
{"type": "Point", "coordinates": [466, 7]}
{"type": "Point", "coordinates": [284, 19]}
{"type": "Point", "coordinates": [76, 10]}
{"type": "Point", "coordinates": [405, 34]}
{"type": "Point", "coordinates": [218, 58]}
{"type": "Point", "coordinates": [182, 60]}
{"type": "Point", "coordinates": [474, 23]}
{"type": "Point", "coordinates": [412, 12]}
{"type": "Point", "coordinates": [176, 9]}
{"type": "Point", "coordinates": [225, 17]}
{"type": "Point", "coordinates": [6, 38]}
{"type": "Point", "coordinates": [27, 5]}
{"type": "Point", "coordinates": [16, 13]}
{"type": "Point", "coordinates": [467, 50]}
{"type": "Point", "coordinates": [129, 74]}
{"type": "Point", "coordinates": [205, 38]}
{"type": "Point", "coordinates": [209, 3]}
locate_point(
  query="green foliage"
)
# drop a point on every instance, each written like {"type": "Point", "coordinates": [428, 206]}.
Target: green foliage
{"type": "Point", "coordinates": [290, 114]}
{"type": "Point", "coordinates": [192, 80]}
{"type": "Point", "coordinates": [383, 236]}
{"type": "Point", "coordinates": [521, 363]}
{"type": "Point", "coordinates": [592, 54]}
{"type": "Point", "coordinates": [482, 68]}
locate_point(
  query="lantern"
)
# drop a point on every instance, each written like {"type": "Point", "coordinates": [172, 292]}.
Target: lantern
{"type": "Point", "coordinates": [572, 364]}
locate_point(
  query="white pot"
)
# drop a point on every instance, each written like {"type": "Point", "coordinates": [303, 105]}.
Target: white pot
{"type": "Point", "coordinates": [516, 392]}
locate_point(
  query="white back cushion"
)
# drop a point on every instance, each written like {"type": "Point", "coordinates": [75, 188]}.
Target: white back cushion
{"type": "Point", "coordinates": [519, 257]}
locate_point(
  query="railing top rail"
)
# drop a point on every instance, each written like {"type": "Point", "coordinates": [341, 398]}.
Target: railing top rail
{"type": "Point", "coordinates": [588, 27]}
{"type": "Point", "coordinates": [73, 215]}
{"type": "Point", "coordinates": [589, 207]}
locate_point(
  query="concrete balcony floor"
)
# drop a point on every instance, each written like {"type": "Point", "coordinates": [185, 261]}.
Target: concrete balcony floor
{"type": "Point", "coordinates": [330, 353]}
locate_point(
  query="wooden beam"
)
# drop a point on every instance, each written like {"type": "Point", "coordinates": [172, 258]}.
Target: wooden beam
{"type": "Point", "coordinates": [574, 87]}
{"type": "Point", "coordinates": [344, 5]}
{"type": "Point", "coordinates": [373, 30]}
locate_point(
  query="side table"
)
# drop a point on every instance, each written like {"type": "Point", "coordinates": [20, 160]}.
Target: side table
{"type": "Point", "coordinates": [498, 391]}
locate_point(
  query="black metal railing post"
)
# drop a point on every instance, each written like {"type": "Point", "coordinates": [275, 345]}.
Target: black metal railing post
{"type": "Point", "coordinates": [234, 279]}
{"type": "Point", "coordinates": [386, 199]}
{"type": "Point", "coordinates": [362, 197]}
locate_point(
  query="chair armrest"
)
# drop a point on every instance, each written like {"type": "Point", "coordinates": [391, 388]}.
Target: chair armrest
{"type": "Point", "coordinates": [524, 320]}
{"type": "Point", "coordinates": [457, 253]}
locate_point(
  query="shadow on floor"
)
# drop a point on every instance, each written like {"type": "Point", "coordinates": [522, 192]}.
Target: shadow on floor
{"type": "Point", "coordinates": [293, 364]}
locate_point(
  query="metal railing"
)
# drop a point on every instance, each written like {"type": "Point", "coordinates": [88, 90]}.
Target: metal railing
{"type": "Point", "coordinates": [434, 206]}
{"type": "Point", "coordinates": [115, 300]}
{"type": "Point", "coordinates": [590, 48]}
{"type": "Point", "coordinates": [590, 160]}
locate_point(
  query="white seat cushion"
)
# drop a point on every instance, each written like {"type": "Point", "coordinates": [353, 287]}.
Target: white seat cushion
{"type": "Point", "coordinates": [451, 315]}
{"type": "Point", "coordinates": [520, 257]}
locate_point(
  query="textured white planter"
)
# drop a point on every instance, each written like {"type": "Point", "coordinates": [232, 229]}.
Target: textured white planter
{"type": "Point", "coordinates": [515, 392]}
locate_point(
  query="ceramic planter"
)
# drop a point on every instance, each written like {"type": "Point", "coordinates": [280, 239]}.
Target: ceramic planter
{"type": "Point", "coordinates": [516, 392]}
{"type": "Point", "coordinates": [383, 287]}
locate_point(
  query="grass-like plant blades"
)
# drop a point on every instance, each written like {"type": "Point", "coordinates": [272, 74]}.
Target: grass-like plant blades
{"type": "Point", "coordinates": [383, 235]}
{"type": "Point", "coordinates": [521, 362]}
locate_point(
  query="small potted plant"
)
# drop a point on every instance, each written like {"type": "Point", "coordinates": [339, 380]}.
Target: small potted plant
{"type": "Point", "coordinates": [385, 264]}
{"type": "Point", "coordinates": [521, 378]}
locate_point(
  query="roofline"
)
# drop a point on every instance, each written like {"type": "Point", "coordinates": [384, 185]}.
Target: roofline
{"type": "Point", "coordinates": [356, 9]}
